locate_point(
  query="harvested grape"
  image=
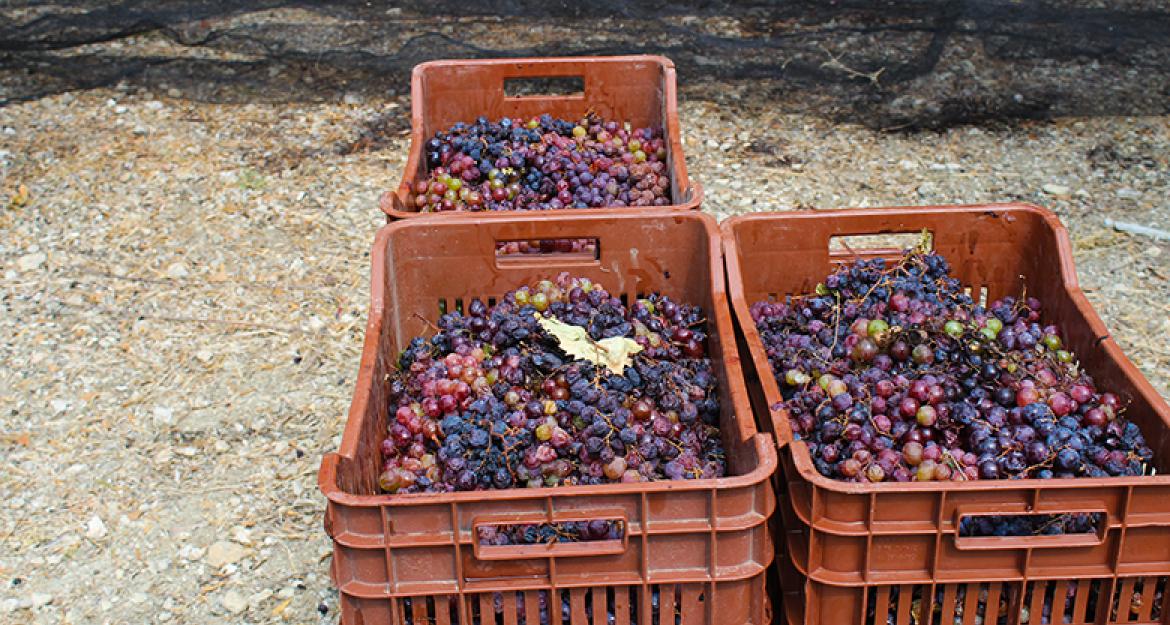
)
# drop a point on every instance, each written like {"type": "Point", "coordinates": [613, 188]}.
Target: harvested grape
{"type": "Point", "coordinates": [545, 533]}
{"type": "Point", "coordinates": [497, 398]}
{"type": "Point", "coordinates": [541, 164]}
{"type": "Point", "coordinates": [891, 372]}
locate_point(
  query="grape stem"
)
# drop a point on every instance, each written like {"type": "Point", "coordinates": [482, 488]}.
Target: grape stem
{"type": "Point", "coordinates": [431, 325]}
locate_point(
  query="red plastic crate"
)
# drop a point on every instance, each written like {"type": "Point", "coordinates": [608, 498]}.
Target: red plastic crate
{"type": "Point", "coordinates": [638, 89]}
{"type": "Point", "coordinates": [867, 535]}
{"type": "Point", "coordinates": [709, 536]}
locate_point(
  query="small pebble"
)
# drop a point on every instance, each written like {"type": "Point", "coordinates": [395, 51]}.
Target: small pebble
{"type": "Point", "coordinates": [178, 270]}
{"type": "Point", "coordinates": [260, 597]}
{"type": "Point", "coordinates": [223, 553]}
{"type": "Point", "coordinates": [190, 552]}
{"type": "Point", "coordinates": [29, 262]}
{"type": "Point", "coordinates": [164, 415]}
{"type": "Point", "coordinates": [95, 529]}
{"type": "Point", "coordinates": [233, 602]}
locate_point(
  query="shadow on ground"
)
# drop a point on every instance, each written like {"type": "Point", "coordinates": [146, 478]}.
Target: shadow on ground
{"type": "Point", "coordinates": [897, 64]}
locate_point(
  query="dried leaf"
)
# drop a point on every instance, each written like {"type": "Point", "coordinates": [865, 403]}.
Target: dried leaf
{"type": "Point", "coordinates": [278, 610]}
{"type": "Point", "coordinates": [23, 439]}
{"type": "Point", "coordinates": [19, 198]}
{"type": "Point", "coordinates": [615, 352]}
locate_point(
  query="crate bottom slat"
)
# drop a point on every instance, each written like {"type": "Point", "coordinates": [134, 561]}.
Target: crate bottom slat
{"type": "Point", "coordinates": [1093, 601]}
{"type": "Point", "coordinates": [737, 602]}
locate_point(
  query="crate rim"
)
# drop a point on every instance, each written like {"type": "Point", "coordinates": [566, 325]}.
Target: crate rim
{"type": "Point", "coordinates": [799, 449]}
{"type": "Point", "coordinates": [765, 447]}
{"type": "Point", "coordinates": [662, 60]}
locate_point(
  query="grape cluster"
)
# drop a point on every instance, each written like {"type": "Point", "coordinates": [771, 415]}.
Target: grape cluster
{"type": "Point", "coordinates": [1031, 524]}
{"type": "Point", "coordinates": [890, 372]}
{"type": "Point", "coordinates": [547, 246]}
{"type": "Point", "coordinates": [545, 533]}
{"type": "Point", "coordinates": [543, 163]}
{"type": "Point", "coordinates": [491, 401]}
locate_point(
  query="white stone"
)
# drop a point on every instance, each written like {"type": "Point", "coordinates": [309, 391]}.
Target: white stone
{"type": "Point", "coordinates": [29, 262]}
{"type": "Point", "coordinates": [242, 535]}
{"type": "Point", "coordinates": [233, 602]}
{"type": "Point", "coordinates": [59, 405]}
{"type": "Point", "coordinates": [39, 599]}
{"type": "Point", "coordinates": [190, 552]}
{"type": "Point", "coordinates": [1055, 189]}
{"type": "Point", "coordinates": [260, 597]}
{"type": "Point", "coordinates": [95, 529]}
{"type": "Point", "coordinates": [164, 415]}
{"type": "Point", "coordinates": [223, 553]}
{"type": "Point", "coordinates": [178, 270]}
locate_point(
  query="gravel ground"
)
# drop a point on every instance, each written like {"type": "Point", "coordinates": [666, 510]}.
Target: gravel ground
{"type": "Point", "coordinates": [184, 288]}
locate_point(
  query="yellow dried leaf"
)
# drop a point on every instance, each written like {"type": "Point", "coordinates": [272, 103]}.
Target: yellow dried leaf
{"type": "Point", "coordinates": [615, 353]}
{"type": "Point", "coordinates": [278, 610]}
{"type": "Point", "coordinates": [18, 199]}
